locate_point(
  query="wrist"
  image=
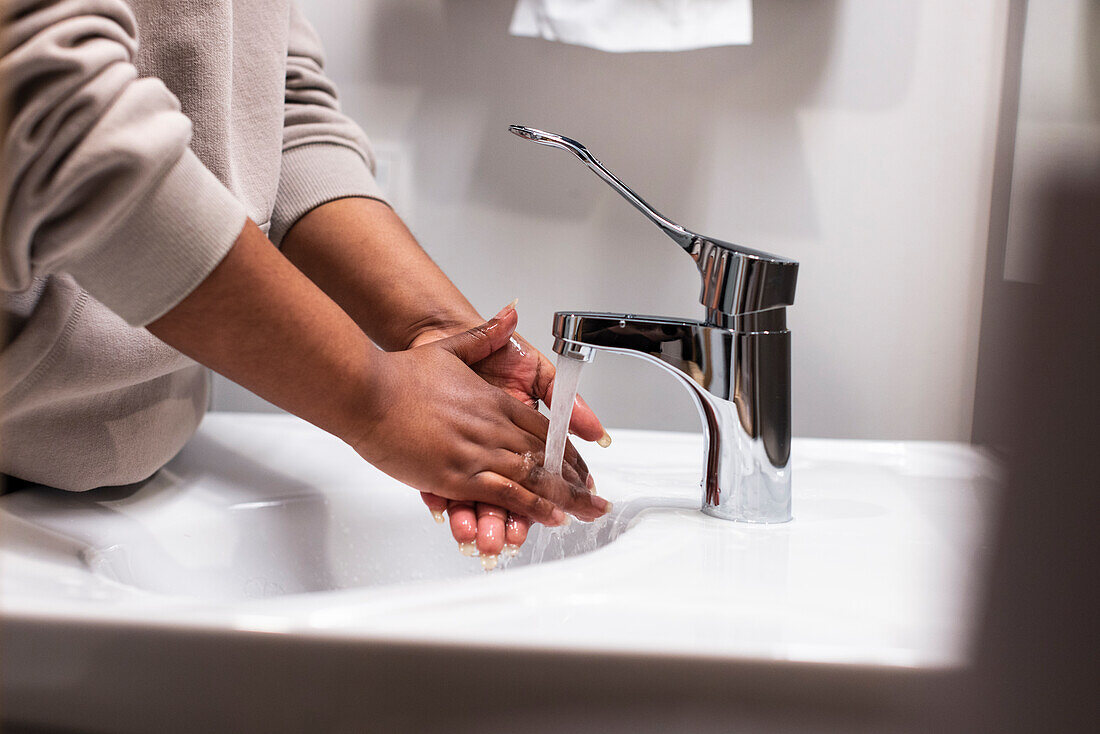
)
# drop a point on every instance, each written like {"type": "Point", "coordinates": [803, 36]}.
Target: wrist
{"type": "Point", "coordinates": [361, 401]}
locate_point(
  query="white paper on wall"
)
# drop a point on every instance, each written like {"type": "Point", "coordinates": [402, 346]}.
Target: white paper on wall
{"type": "Point", "coordinates": [636, 25]}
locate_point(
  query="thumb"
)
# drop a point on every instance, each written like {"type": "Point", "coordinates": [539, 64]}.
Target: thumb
{"type": "Point", "coordinates": [474, 345]}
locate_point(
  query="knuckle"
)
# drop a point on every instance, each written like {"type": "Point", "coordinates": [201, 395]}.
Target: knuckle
{"type": "Point", "coordinates": [511, 493]}
{"type": "Point", "coordinates": [541, 508]}
{"type": "Point", "coordinates": [528, 466]}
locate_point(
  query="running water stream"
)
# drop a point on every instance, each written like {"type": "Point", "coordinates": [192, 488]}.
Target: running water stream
{"type": "Point", "coordinates": [567, 375]}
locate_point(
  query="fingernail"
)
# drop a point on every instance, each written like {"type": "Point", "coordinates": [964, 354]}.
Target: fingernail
{"type": "Point", "coordinates": [467, 549]}
{"type": "Point", "coordinates": [558, 517]}
{"type": "Point", "coordinates": [591, 484]}
{"type": "Point", "coordinates": [489, 562]}
{"type": "Point", "coordinates": [507, 308]}
{"type": "Point", "coordinates": [604, 440]}
{"type": "Point", "coordinates": [437, 515]}
{"type": "Point", "coordinates": [601, 504]}
{"type": "Point", "coordinates": [511, 550]}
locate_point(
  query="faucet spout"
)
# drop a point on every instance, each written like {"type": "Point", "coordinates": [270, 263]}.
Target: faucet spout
{"type": "Point", "coordinates": [738, 375]}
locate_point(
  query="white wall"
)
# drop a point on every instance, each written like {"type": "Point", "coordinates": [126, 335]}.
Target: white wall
{"type": "Point", "coordinates": [857, 137]}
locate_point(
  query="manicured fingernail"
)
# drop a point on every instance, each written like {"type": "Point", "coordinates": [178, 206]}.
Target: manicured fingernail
{"type": "Point", "coordinates": [511, 550]}
{"type": "Point", "coordinates": [437, 515]}
{"type": "Point", "coordinates": [507, 308]}
{"type": "Point", "coordinates": [489, 562]}
{"type": "Point", "coordinates": [467, 549]}
{"type": "Point", "coordinates": [604, 441]}
{"type": "Point", "coordinates": [601, 504]}
{"type": "Point", "coordinates": [591, 484]}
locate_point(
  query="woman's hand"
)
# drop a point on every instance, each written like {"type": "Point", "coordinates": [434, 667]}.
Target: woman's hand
{"type": "Point", "coordinates": [439, 427]}
{"type": "Point", "coordinates": [360, 253]}
{"type": "Point", "coordinates": [526, 374]}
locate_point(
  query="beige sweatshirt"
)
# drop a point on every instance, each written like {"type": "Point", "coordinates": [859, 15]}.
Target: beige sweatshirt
{"type": "Point", "coordinates": [140, 135]}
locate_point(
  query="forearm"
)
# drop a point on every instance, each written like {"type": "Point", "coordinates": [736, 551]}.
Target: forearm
{"type": "Point", "coordinates": [257, 320]}
{"type": "Point", "coordinates": [362, 255]}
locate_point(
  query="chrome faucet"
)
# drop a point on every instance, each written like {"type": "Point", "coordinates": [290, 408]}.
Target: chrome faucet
{"type": "Point", "coordinates": [736, 363]}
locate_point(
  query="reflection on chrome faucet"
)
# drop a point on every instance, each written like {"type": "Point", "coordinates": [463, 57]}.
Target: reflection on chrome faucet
{"type": "Point", "coordinates": [736, 364]}
{"type": "Point", "coordinates": [740, 382]}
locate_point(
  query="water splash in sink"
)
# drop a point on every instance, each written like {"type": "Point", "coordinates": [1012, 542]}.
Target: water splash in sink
{"type": "Point", "coordinates": [558, 543]}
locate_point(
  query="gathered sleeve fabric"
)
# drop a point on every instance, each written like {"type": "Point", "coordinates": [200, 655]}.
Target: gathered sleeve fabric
{"type": "Point", "coordinates": [97, 179]}
{"type": "Point", "coordinates": [326, 156]}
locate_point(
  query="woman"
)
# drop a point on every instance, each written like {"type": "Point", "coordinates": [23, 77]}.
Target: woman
{"type": "Point", "coordinates": [179, 186]}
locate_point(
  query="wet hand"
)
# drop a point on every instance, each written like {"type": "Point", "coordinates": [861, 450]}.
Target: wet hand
{"type": "Point", "coordinates": [525, 373]}
{"type": "Point", "coordinates": [444, 430]}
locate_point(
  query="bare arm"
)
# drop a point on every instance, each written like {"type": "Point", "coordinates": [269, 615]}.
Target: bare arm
{"type": "Point", "coordinates": [360, 253]}
{"type": "Point", "coordinates": [259, 322]}
{"type": "Point", "coordinates": [419, 415]}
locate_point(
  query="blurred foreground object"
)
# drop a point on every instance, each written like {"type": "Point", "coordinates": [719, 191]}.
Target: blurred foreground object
{"type": "Point", "coordinates": [1037, 657]}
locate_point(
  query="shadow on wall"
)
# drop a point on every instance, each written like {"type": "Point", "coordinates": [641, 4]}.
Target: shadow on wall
{"type": "Point", "coordinates": [652, 117]}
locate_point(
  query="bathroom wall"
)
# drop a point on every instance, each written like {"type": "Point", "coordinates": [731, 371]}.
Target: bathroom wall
{"type": "Point", "coordinates": [856, 136]}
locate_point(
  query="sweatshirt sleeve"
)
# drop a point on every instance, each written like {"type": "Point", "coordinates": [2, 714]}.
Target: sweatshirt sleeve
{"type": "Point", "coordinates": [96, 176]}
{"type": "Point", "coordinates": [326, 156]}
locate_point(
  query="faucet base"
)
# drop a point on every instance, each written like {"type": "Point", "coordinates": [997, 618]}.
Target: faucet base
{"type": "Point", "coordinates": [747, 472]}
{"type": "Point", "coordinates": [720, 514]}
{"type": "Point", "coordinates": [740, 383]}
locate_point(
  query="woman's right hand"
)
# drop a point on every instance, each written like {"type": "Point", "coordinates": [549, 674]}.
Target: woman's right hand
{"type": "Point", "coordinates": [437, 426]}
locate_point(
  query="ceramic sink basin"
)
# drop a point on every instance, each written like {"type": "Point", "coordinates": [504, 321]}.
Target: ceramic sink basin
{"type": "Point", "coordinates": [219, 525]}
{"type": "Point", "coordinates": [266, 525]}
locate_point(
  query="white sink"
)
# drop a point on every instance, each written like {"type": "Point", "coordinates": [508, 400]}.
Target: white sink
{"type": "Point", "coordinates": [262, 507]}
{"type": "Point", "coordinates": [266, 524]}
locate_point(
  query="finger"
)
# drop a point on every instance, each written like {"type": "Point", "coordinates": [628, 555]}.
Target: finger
{"type": "Point", "coordinates": [436, 504]}
{"type": "Point", "coordinates": [493, 488]}
{"type": "Point", "coordinates": [573, 468]}
{"type": "Point", "coordinates": [463, 526]}
{"type": "Point", "coordinates": [490, 530]}
{"type": "Point", "coordinates": [474, 345]}
{"type": "Point", "coordinates": [574, 497]}
{"type": "Point", "coordinates": [536, 425]}
{"type": "Point", "coordinates": [515, 533]}
{"type": "Point", "coordinates": [582, 422]}
{"type": "Point", "coordinates": [585, 425]}
{"type": "Point", "coordinates": [576, 463]}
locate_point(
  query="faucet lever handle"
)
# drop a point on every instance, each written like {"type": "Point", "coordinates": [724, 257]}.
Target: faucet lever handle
{"type": "Point", "coordinates": [682, 237]}
{"type": "Point", "coordinates": [736, 279]}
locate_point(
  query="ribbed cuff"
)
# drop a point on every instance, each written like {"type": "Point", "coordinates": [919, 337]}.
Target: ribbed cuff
{"type": "Point", "coordinates": [315, 174]}
{"type": "Point", "coordinates": [166, 246]}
